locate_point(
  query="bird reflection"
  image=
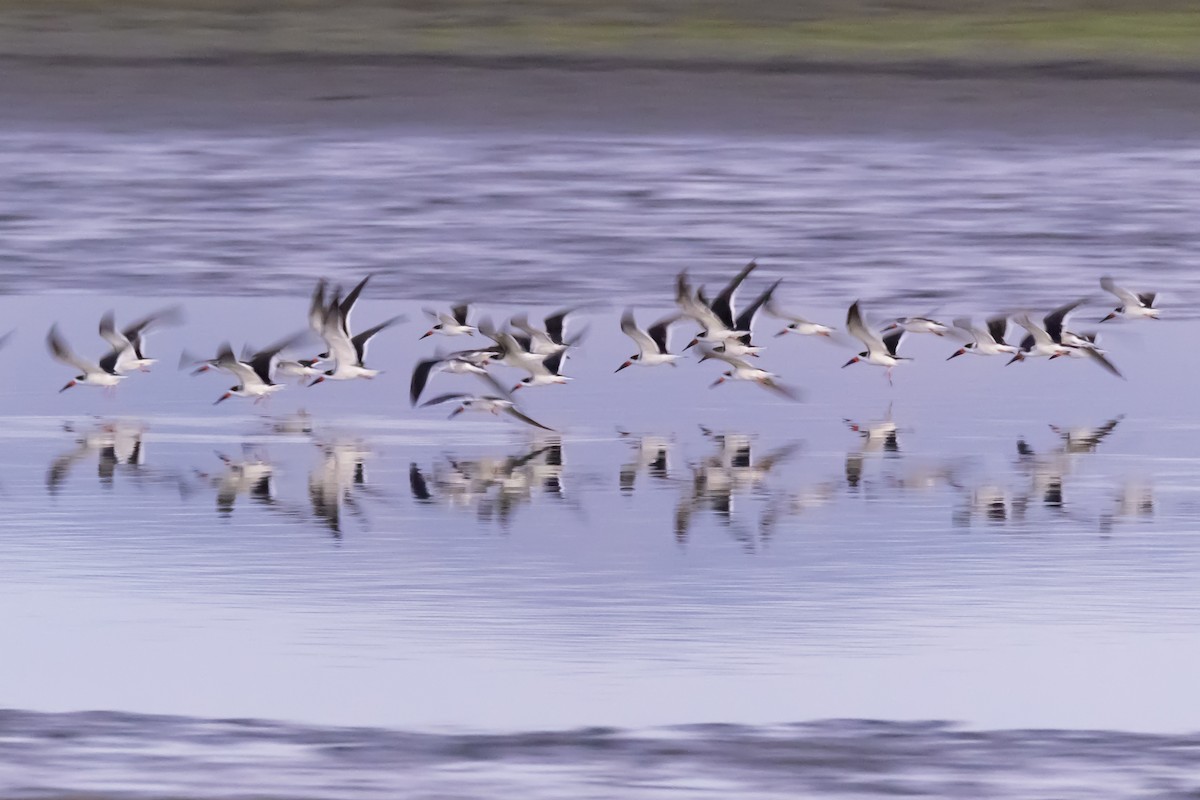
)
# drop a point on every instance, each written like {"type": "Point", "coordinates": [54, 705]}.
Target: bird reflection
{"type": "Point", "coordinates": [494, 488]}
{"type": "Point", "coordinates": [334, 482]}
{"type": "Point", "coordinates": [1085, 440]}
{"type": "Point", "coordinates": [1134, 500]}
{"type": "Point", "coordinates": [1047, 477]}
{"type": "Point", "coordinates": [878, 436]}
{"type": "Point", "coordinates": [250, 475]}
{"type": "Point", "coordinates": [117, 445]}
{"type": "Point", "coordinates": [651, 454]}
{"type": "Point", "coordinates": [716, 481]}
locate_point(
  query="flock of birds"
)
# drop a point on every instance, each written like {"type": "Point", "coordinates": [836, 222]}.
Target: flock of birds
{"type": "Point", "coordinates": [726, 337]}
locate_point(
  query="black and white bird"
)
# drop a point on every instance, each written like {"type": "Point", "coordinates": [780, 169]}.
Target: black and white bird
{"type": "Point", "coordinates": [348, 351]}
{"type": "Point", "coordinates": [103, 374]}
{"type": "Point", "coordinates": [987, 341]}
{"type": "Point", "coordinates": [717, 318]}
{"type": "Point", "coordinates": [653, 348]}
{"type": "Point", "coordinates": [550, 339]}
{"type": "Point", "coordinates": [917, 325]}
{"type": "Point", "coordinates": [451, 324]}
{"type": "Point", "coordinates": [454, 364]}
{"type": "Point", "coordinates": [130, 341]}
{"type": "Point", "coordinates": [742, 370]}
{"type": "Point", "coordinates": [742, 345]}
{"type": "Point", "coordinates": [298, 368]}
{"type": "Point", "coordinates": [880, 351]}
{"type": "Point", "coordinates": [1052, 340]}
{"type": "Point", "coordinates": [1045, 340]}
{"type": "Point", "coordinates": [796, 324]}
{"type": "Point", "coordinates": [544, 371]}
{"type": "Point", "coordinates": [487, 404]}
{"type": "Point", "coordinates": [255, 374]}
{"type": "Point", "coordinates": [1134, 305]}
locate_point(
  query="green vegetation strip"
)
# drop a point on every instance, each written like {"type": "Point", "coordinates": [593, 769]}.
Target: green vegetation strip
{"type": "Point", "coordinates": [667, 30]}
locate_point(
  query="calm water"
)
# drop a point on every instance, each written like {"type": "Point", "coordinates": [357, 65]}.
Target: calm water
{"type": "Point", "coordinates": [1004, 548]}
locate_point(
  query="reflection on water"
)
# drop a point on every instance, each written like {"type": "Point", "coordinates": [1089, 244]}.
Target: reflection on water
{"type": "Point", "coordinates": [732, 558]}
{"type": "Point", "coordinates": [494, 488]}
{"type": "Point", "coordinates": [338, 480]}
{"type": "Point", "coordinates": [734, 469]}
{"type": "Point", "coordinates": [249, 475]}
{"type": "Point", "coordinates": [736, 466]}
{"type": "Point", "coordinates": [114, 444]}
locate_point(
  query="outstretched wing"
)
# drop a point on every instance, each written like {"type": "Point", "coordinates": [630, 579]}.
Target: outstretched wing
{"type": "Point", "coordinates": [360, 341]}
{"type": "Point", "coordinates": [445, 398]}
{"type": "Point", "coordinates": [629, 327]}
{"type": "Point", "coordinates": [723, 305]}
{"type": "Point", "coordinates": [527, 420]}
{"type": "Point", "coordinates": [62, 352]}
{"type": "Point", "coordinates": [1126, 297]}
{"type": "Point", "coordinates": [1103, 361]}
{"type": "Point", "coordinates": [420, 378]}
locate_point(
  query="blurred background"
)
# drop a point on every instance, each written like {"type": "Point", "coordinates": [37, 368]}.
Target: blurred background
{"type": "Point", "coordinates": [1160, 34]}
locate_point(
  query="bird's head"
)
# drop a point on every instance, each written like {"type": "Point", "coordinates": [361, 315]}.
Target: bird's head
{"type": "Point", "coordinates": [429, 332]}
{"type": "Point", "coordinates": [628, 363]}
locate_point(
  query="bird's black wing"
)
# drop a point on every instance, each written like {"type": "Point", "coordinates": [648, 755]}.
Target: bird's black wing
{"type": "Point", "coordinates": [723, 305]}
{"type": "Point", "coordinates": [997, 327]}
{"type": "Point", "coordinates": [420, 378]}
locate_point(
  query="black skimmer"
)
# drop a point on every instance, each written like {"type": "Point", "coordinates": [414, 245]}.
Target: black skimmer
{"type": "Point", "coordinates": [652, 343]}
{"type": "Point", "coordinates": [130, 341]}
{"type": "Point", "coordinates": [743, 371]}
{"type": "Point", "coordinates": [510, 351]}
{"type": "Point", "coordinates": [988, 341]}
{"type": "Point", "coordinates": [297, 368]}
{"type": "Point", "coordinates": [348, 351]}
{"type": "Point", "coordinates": [484, 404]}
{"type": "Point", "coordinates": [452, 324]}
{"type": "Point", "coordinates": [1044, 340]}
{"type": "Point", "coordinates": [717, 318]}
{"type": "Point", "coordinates": [1052, 340]}
{"type": "Point", "coordinates": [254, 375]}
{"type": "Point", "coordinates": [103, 374]}
{"type": "Point", "coordinates": [549, 340]}
{"type": "Point", "coordinates": [881, 352]}
{"type": "Point", "coordinates": [1084, 345]}
{"type": "Point", "coordinates": [741, 345]}
{"type": "Point", "coordinates": [1134, 305]}
{"type": "Point", "coordinates": [917, 325]}
{"type": "Point", "coordinates": [544, 371]}
{"type": "Point", "coordinates": [454, 364]}
{"type": "Point", "coordinates": [797, 324]}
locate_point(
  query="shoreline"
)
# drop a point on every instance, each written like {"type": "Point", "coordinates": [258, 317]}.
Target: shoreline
{"type": "Point", "coordinates": [484, 95]}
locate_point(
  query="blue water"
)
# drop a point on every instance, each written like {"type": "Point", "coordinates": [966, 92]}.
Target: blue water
{"type": "Point", "coordinates": [470, 607]}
